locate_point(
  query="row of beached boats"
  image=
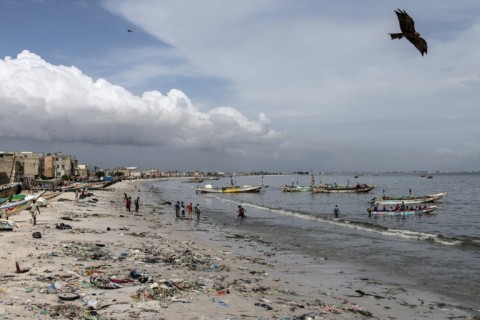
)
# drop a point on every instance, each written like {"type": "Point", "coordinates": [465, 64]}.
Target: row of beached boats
{"type": "Point", "coordinates": [12, 201]}
{"type": "Point", "coordinates": [19, 202]}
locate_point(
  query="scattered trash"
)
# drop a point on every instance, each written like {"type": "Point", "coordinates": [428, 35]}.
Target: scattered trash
{"type": "Point", "coordinates": [19, 270]}
{"type": "Point", "coordinates": [264, 305]}
{"type": "Point", "coordinates": [142, 277]}
{"type": "Point", "coordinates": [62, 225]}
{"type": "Point", "coordinates": [362, 294]}
{"type": "Point", "coordinates": [68, 296]}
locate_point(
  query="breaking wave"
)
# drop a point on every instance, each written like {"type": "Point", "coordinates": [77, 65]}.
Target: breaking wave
{"type": "Point", "coordinates": [467, 242]}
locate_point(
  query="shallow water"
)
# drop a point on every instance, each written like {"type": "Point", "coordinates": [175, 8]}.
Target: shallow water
{"type": "Point", "coordinates": [439, 252]}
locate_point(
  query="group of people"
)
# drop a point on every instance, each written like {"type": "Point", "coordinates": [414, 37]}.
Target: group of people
{"type": "Point", "coordinates": [401, 207]}
{"type": "Point", "coordinates": [128, 203]}
{"type": "Point", "coordinates": [180, 210]}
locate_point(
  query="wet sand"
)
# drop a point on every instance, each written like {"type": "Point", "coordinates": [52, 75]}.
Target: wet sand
{"type": "Point", "coordinates": [114, 264]}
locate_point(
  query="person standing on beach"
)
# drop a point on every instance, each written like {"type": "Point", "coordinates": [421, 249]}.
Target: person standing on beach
{"type": "Point", "coordinates": [128, 203]}
{"type": "Point", "coordinates": [34, 210]}
{"type": "Point", "coordinates": [182, 208]}
{"type": "Point", "coordinates": [137, 204]}
{"type": "Point", "coordinates": [190, 210]}
{"type": "Point", "coordinates": [336, 211]}
{"type": "Point", "coordinates": [177, 209]}
{"type": "Point", "coordinates": [197, 211]}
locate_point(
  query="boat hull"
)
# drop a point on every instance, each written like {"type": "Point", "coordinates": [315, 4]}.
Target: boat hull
{"type": "Point", "coordinates": [234, 189]}
{"type": "Point", "coordinates": [404, 212]}
{"type": "Point", "coordinates": [409, 200]}
{"type": "Point", "coordinates": [8, 190]}
{"type": "Point", "coordinates": [296, 189]}
{"type": "Point", "coordinates": [343, 189]}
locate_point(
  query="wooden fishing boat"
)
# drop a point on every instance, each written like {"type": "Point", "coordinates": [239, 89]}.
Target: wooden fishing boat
{"type": "Point", "coordinates": [231, 189]}
{"type": "Point", "coordinates": [296, 188]}
{"type": "Point", "coordinates": [9, 189]}
{"type": "Point", "coordinates": [408, 200]}
{"type": "Point", "coordinates": [337, 188]}
{"type": "Point", "coordinates": [405, 212]}
{"type": "Point", "coordinates": [12, 207]}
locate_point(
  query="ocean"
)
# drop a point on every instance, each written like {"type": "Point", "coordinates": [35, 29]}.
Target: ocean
{"type": "Point", "coordinates": [437, 253]}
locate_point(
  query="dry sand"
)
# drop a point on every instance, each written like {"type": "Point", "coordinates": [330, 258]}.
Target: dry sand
{"type": "Point", "coordinates": [183, 270]}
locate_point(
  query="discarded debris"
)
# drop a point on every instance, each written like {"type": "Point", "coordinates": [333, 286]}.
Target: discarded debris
{"type": "Point", "coordinates": [20, 270]}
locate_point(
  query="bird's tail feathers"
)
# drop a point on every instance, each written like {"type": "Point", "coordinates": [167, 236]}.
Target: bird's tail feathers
{"type": "Point", "coordinates": [396, 35]}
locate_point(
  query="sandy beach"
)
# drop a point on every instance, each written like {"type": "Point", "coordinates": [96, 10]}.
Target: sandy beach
{"type": "Point", "coordinates": [95, 260]}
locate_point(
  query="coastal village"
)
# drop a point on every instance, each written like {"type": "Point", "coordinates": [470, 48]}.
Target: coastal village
{"type": "Point", "coordinates": [31, 167]}
{"type": "Point", "coordinates": [34, 168]}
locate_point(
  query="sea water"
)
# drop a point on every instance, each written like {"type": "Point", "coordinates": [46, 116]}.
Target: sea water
{"type": "Point", "coordinates": [438, 252]}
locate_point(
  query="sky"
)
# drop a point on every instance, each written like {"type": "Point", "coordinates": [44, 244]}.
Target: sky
{"type": "Point", "coordinates": [252, 85]}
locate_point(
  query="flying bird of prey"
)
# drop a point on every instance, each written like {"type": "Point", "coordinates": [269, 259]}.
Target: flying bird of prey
{"type": "Point", "coordinates": [407, 26]}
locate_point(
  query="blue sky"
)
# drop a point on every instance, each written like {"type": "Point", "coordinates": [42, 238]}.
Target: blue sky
{"type": "Point", "coordinates": [252, 85]}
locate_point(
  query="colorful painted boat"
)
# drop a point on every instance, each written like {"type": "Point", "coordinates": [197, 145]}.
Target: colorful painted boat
{"type": "Point", "coordinates": [232, 189]}
{"type": "Point", "coordinates": [336, 188]}
{"type": "Point", "coordinates": [9, 189]}
{"type": "Point", "coordinates": [406, 212]}
{"type": "Point", "coordinates": [408, 200]}
{"type": "Point", "coordinates": [13, 207]}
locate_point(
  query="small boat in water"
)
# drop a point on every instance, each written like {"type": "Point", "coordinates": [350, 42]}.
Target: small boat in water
{"type": "Point", "coordinates": [404, 212]}
{"type": "Point", "coordinates": [295, 187]}
{"type": "Point", "coordinates": [337, 188]}
{"type": "Point", "coordinates": [231, 189]}
{"type": "Point", "coordinates": [408, 200]}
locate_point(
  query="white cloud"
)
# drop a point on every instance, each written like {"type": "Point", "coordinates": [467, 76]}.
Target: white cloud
{"type": "Point", "coordinates": [41, 101]}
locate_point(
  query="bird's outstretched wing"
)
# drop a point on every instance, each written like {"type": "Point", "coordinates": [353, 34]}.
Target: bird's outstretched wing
{"type": "Point", "coordinates": [419, 43]}
{"type": "Point", "coordinates": [407, 25]}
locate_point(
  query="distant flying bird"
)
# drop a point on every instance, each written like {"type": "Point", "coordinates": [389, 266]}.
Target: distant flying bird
{"type": "Point", "coordinates": [129, 30]}
{"type": "Point", "coordinates": [407, 25]}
